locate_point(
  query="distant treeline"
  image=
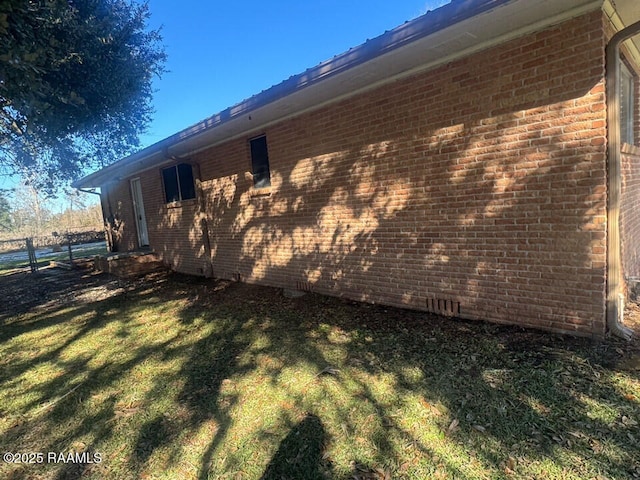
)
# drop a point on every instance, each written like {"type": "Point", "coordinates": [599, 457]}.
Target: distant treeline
{"type": "Point", "coordinates": [24, 213]}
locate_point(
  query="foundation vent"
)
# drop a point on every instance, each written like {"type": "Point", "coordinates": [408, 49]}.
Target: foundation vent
{"type": "Point", "coordinates": [441, 306]}
{"type": "Point", "coordinates": [303, 286]}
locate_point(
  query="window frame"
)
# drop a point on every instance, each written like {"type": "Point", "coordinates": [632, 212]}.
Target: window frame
{"type": "Point", "coordinates": [178, 179]}
{"type": "Point", "coordinates": [628, 105]}
{"type": "Point", "coordinates": [261, 179]}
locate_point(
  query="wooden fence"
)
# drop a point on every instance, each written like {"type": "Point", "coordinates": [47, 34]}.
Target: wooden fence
{"type": "Point", "coordinates": [18, 244]}
{"type": "Point", "coordinates": [22, 249]}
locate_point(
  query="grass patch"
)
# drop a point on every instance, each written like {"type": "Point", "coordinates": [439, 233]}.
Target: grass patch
{"type": "Point", "coordinates": [201, 379]}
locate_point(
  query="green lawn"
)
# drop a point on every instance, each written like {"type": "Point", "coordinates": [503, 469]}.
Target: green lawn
{"type": "Point", "coordinates": [179, 378]}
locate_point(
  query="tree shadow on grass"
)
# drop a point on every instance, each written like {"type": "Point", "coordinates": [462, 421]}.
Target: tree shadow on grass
{"type": "Point", "coordinates": [481, 375]}
{"type": "Point", "coordinates": [153, 434]}
{"type": "Point", "coordinates": [507, 389]}
{"type": "Point", "coordinates": [300, 454]}
{"type": "Point", "coordinates": [229, 352]}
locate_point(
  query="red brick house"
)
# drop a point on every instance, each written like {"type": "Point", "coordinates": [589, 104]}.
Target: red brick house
{"type": "Point", "coordinates": [480, 161]}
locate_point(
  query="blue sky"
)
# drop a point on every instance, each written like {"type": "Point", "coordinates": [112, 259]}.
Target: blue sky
{"type": "Point", "coordinates": [220, 53]}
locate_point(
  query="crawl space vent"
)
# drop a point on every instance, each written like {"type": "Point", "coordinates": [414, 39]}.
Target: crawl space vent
{"type": "Point", "coordinates": [441, 306]}
{"type": "Point", "coordinates": [303, 286]}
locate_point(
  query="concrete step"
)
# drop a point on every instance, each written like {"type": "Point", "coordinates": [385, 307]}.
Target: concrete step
{"type": "Point", "coordinates": [129, 264]}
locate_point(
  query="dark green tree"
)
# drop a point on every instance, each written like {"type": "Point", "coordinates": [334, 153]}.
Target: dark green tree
{"type": "Point", "coordinates": [5, 214]}
{"type": "Point", "coordinates": [75, 85]}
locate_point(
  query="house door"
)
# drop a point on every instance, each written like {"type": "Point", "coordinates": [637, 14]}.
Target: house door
{"type": "Point", "coordinates": [138, 210]}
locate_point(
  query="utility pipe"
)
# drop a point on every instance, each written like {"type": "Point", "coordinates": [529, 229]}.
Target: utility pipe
{"type": "Point", "coordinates": [615, 299]}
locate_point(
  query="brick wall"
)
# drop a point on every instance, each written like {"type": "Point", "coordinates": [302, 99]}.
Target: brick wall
{"type": "Point", "coordinates": [175, 231]}
{"type": "Point", "coordinates": [118, 210]}
{"type": "Point", "coordinates": [478, 185]}
{"type": "Point", "coordinates": [630, 194]}
{"type": "Point", "coordinates": [630, 212]}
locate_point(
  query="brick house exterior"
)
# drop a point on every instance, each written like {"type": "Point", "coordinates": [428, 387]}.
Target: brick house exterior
{"type": "Point", "coordinates": [475, 186]}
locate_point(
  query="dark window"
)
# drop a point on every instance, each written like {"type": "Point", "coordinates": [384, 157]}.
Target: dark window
{"type": "Point", "coordinates": [178, 183]}
{"type": "Point", "coordinates": [627, 105]}
{"type": "Point", "coordinates": [260, 162]}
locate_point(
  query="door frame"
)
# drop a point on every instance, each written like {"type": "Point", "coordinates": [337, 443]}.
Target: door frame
{"type": "Point", "coordinates": [138, 212]}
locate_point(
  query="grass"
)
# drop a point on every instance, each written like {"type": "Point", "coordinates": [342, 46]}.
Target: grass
{"type": "Point", "coordinates": [182, 378]}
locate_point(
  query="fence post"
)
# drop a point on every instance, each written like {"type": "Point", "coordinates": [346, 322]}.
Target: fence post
{"type": "Point", "coordinates": [69, 245]}
{"type": "Point", "coordinates": [33, 261]}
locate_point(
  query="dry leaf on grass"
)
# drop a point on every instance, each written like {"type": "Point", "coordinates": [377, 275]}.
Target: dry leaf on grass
{"type": "Point", "coordinates": [453, 426]}
{"type": "Point", "coordinates": [329, 371]}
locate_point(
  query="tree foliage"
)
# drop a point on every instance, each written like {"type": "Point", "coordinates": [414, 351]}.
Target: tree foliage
{"type": "Point", "coordinates": [75, 84]}
{"type": "Point", "coordinates": [26, 212]}
{"type": "Point", "coordinates": [5, 214]}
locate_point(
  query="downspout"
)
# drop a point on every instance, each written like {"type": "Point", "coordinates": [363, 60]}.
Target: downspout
{"type": "Point", "coordinates": [615, 304]}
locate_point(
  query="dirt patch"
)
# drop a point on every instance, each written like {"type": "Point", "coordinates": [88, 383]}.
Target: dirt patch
{"type": "Point", "coordinates": [50, 287]}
